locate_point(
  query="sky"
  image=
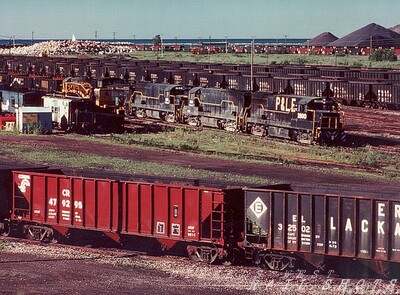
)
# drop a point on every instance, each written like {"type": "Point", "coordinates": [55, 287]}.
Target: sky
{"type": "Point", "coordinates": [187, 19]}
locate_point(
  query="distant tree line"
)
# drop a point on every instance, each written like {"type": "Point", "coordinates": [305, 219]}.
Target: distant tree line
{"type": "Point", "coordinates": [383, 55]}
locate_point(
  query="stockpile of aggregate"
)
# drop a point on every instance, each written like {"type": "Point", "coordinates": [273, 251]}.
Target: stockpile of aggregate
{"type": "Point", "coordinates": [68, 47]}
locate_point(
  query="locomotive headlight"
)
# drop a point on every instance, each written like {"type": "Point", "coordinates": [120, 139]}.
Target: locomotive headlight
{"type": "Point", "coordinates": [324, 101]}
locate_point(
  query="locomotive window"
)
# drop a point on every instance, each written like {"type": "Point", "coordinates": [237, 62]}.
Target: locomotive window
{"type": "Point", "coordinates": [322, 105]}
{"type": "Point", "coordinates": [302, 108]}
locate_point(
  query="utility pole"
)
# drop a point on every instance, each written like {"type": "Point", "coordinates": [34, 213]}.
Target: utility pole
{"type": "Point", "coordinates": [95, 35]}
{"type": "Point", "coordinates": [114, 35]}
{"type": "Point", "coordinates": [162, 46]}
{"type": "Point", "coordinates": [370, 45]}
{"type": "Point", "coordinates": [226, 44]}
{"type": "Point", "coordinates": [286, 39]}
{"type": "Point", "coordinates": [251, 64]}
{"type": "Point", "coordinates": [32, 37]}
{"type": "Point", "coordinates": [209, 49]}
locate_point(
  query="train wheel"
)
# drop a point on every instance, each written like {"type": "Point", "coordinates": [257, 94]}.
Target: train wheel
{"type": "Point", "coordinates": [203, 254]}
{"type": "Point", "coordinates": [229, 259]}
{"type": "Point", "coordinates": [193, 254]}
{"type": "Point", "coordinates": [162, 116]}
{"type": "Point", "coordinates": [257, 130]}
{"type": "Point", "coordinates": [6, 230]}
{"type": "Point", "coordinates": [294, 135]}
{"type": "Point", "coordinates": [39, 233]}
{"type": "Point", "coordinates": [29, 233]}
{"type": "Point", "coordinates": [276, 262]}
{"type": "Point", "coordinates": [54, 237]}
{"type": "Point", "coordinates": [141, 113]}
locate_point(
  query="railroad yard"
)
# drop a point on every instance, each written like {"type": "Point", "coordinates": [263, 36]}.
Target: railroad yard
{"type": "Point", "coordinates": [39, 268]}
{"type": "Point", "coordinates": [244, 149]}
{"type": "Point", "coordinates": [367, 162]}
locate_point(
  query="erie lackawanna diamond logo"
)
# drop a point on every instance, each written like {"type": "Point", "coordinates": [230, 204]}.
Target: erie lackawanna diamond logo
{"type": "Point", "coordinates": [258, 207]}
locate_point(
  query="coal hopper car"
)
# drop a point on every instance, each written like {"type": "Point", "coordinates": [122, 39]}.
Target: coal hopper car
{"type": "Point", "coordinates": [328, 231]}
{"type": "Point", "coordinates": [163, 217]}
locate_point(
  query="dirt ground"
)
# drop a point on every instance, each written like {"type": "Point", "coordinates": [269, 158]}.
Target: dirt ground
{"type": "Point", "coordinates": [28, 268]}
{"type": "Point", "coordinates": [33, 273]}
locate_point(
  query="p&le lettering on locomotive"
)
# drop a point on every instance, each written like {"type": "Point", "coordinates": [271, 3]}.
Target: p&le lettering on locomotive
{"type": "Point", "coordinates": [299, 118]}
{"type": "Point", "coordinates": [278, 227]}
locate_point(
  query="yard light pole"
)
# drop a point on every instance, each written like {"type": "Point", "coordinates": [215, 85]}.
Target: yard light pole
{"type": "Point", "coordinates": [15, 82]}
{"type": "Point", "coordinates": [370, 45]}
{"type": "Point", "coordinates": [209, 49]}
{"type": "Point", "coordinates": [162, 48]}
{"type": "Point", "coordinates": [251, 64]}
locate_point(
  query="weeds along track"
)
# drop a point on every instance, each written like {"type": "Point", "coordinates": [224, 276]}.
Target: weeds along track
{"type": "Point", "coordinates": [377, 128]}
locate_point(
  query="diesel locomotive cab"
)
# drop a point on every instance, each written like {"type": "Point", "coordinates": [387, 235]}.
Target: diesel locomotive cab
{"type": "Point", "coordinates": [325, 118]}
{"type": "Point", "coordinates": [213, 107]}
{"type": "Point", "coordinates": [161, 101]}
{"type": "Point", "coordinates": [299, 118]}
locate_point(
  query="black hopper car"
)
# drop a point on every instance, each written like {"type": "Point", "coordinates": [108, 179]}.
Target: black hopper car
{"type": "Point", "coordinates": [299, 118]}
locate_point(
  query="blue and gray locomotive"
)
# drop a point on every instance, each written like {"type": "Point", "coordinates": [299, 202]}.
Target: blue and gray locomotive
{"type": "Point", "coordinates": [157, 100]}
{"type": "Point", "coordinates": [298, 118]}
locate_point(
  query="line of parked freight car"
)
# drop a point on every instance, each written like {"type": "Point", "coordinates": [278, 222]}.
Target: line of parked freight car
{"type": "Point", "coordinates": [275, 227]}
{"type": "Point", "coordinates": [353, 86]}
{"type": "Point", "coordinates": [98, 67]}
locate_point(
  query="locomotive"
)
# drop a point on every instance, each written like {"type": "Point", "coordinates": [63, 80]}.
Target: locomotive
{"type": "Point", "coordinates": [161, 101]}
{"type": "Point", "coordinates": [299, 118]}
{"type": "Point", "coordinates": [276, 227]}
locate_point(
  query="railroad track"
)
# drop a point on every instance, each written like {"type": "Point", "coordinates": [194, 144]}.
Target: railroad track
{"type": "Point", "coordinates": [380, 138]}
{"type": "Point", "coordinates": [373, 121]}
{"type": "Point", "coordinates": [366, 125]}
